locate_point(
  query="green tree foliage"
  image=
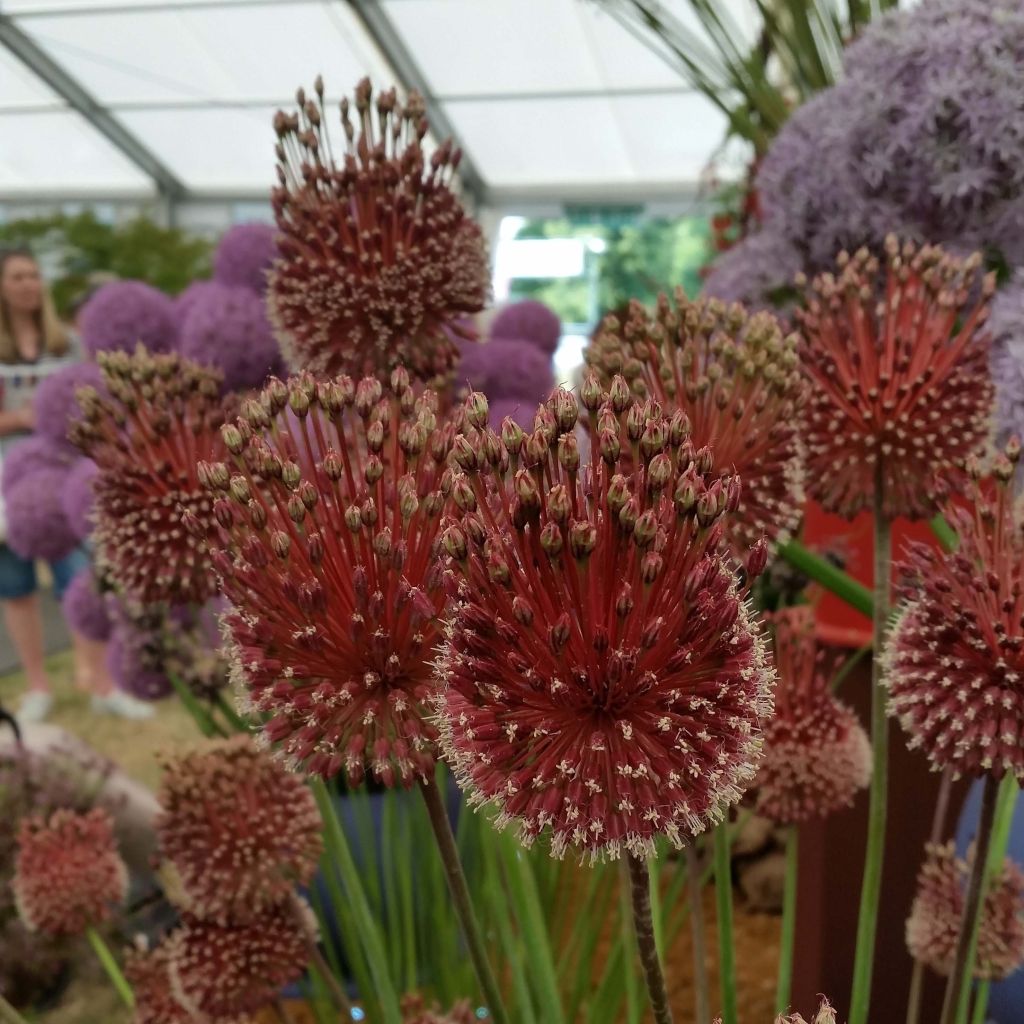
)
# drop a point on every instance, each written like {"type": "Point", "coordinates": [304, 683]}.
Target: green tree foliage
{"type": "Point", "coordinates": [642, 257]}
{"type": "Point", "coordinates": [74, 248]}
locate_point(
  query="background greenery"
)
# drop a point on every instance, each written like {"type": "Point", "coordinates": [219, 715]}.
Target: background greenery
{"type": "Point", "coordinates": [73, 249]}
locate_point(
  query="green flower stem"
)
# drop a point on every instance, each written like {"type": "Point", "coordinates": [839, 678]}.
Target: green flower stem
{"type": "Point", "coordinates": [369, 932]}
{"type": "Point", "coordinates": [980, 1014]}
{"type": "Point", "coordinates": [8, 1014]}
{"type": "Point", "coordinates": [701, 991]}
{"type": "Point", "coordinates": [462, 902]}
{"type": "Point", "coordinates": [640, 894]}
{"type": "Point", "coordinates": [958, 988]}
{"type": "Point", "coordinates": [726, 948]}
{"type": "Point", "coordinates": [117, 978]}
{"type": "Point", "coordinates": [317, 961]}
{"type": "Point", "coordinates": [200, 715]}
{"type": "Point", "coordinates": [944, 532]}
{"type": "Point", "coordinates": [829, 576]}
{"type": "Point", "coordinates": [871, 887]}
{"type": "Point", "coordinates": [782, 991]}
{"type": "Point", "coordinates": [1002, 820]}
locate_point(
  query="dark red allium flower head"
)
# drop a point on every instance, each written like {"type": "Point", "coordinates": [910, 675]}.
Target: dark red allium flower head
{"type": "Point", "coordinates": [938, 908]}
{"type": "Point", "coordinates": [377, 254]}
{"type": "Point", "coordinates": [604, 678]}
{"type": "Point", "coordinates": [162, 415]}
{"type": "Point", "coordinates": [415, 1011]}
{"type": "Point", "coordinates": [816, 753]}
{"type": "Point", "coordinates": [899, 378]}
{"type": "Point", "coordinates": [239, 829]}
{"type": "Point", "coordinates": [328, 528]}
{"type": "Point", "coordinates": [736, 378]}
{"type": "Point", "coordinates": [147, 973]}
{"type": "Point", "coordinates": [68, 875]}
{"type": "Point", "coordinates": [220, 972]}
{"type": "Point", "coordinates": [954, 659]}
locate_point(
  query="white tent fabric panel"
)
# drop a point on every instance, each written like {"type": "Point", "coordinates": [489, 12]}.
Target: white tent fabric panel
{"type": "Point", "coordinates": [58, 150]}
{"type": "Point", "coordinates": [624, 140]}
{"type": "Point", "coordinates": [252, 53]}
{"type": "Point", "coordinates": [544, 96]}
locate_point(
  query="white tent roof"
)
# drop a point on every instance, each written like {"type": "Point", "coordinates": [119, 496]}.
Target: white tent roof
{"type": "Point", "coordinates": [548, 98]}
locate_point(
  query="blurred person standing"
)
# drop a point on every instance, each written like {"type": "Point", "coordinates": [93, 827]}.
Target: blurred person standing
{"type": "Point", "coordinates": [33, 344]}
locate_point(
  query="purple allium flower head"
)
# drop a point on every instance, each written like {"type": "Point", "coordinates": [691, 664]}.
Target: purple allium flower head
{"type": "Point", "coordinates": [124, 313]}
{"type": "Point", "coordinates": [472, 372]}
{"type": "Point", "coordinates": [184, 302]}
{"type": "Point", "coordinates": [227, 328]}
{"type": "Point", "coordinates": [753, 270]}
{"type": "Point", "coordinates": [520, 410]}
{"type": "Point", "coordinates": [529, 320]}
{"type": "Point", "coordinates": [924, 137]}
{"type": "Point", "coordinates": [31, 455]}
{"type": "Point", "coordinates": [517, 369]}
{"type": "Point", "coordinates": [133, 657]}
{"type": "Point", "coordinates": [244, 256]}
{"type": "Point", "coordinates": [36, 524]}
{"type": "Point", "coordinates": [55, 404]}
{"type": "Point", "coordinates": [1006, 325]}
{"type": "Point", "coordinates": [78, 497]}
{"type": "Point", "coordinates": [85, 608]}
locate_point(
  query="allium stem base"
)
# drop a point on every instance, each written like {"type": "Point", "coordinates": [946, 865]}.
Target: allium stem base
{"type": "Point", "coordinates": [647, 947]}
{"type": "Point", "coordinates": [702, 996]}
{"type": "Point", "coordinates": [461, 900]}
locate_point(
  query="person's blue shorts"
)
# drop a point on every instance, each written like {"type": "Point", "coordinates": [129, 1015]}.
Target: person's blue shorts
{"type": "Point", "coordinates": [18, 575]}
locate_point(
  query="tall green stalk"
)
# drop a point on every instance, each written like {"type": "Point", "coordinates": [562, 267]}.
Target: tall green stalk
{"type": "Point", "coordinates": [110, 965]}
{"type": "Point", "coordinates": [462, 902]}
{"type": "Point", "coordinates": [785, 984]}
{"type": "Point", "coordinates": [871, 887]}
{"type": "Point", "coordinates": [701, 993]}
{"type": "Point", "coordinates": [647, 947]}
{"type": "Point", "coordinates": [726, 947]}
{"type": "Point", "coordinates": [958, 988]}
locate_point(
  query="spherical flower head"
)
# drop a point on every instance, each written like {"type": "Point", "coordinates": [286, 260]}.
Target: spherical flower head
{"type": "Point", "coordinates": [221, 972]}
{"type": "Point", "coordinates": [519, 410]}
{"type": "Point", "coordinates": [758, 271]}
{"type": "Point", "coordinates": [162, 416]}
{"type": "Point", "coordinates": [68, 874]}
{"type": "Point", "coordinates": [528, 320]}
{"type": "Point", "coordinates": [31, 455]}
{"type": "Point", "coordinates": [56, 404]}
{"type": "Point", "coordinates": [36, 524]}
{"type": "Point", "coordinates": [377, 254]}
{"type": "Point", "coordinates": [604, 681]}
{"type": "Point", "coordinates": [954, 659]}
{"type": "Point", "coordinates": [816, 755]}
{"type": "Point", "coordinates": [147, 973]}
{"type": "Point", "coordinates": [78, 497]}
{"type": "Point", "coordinates": [124, 314]}
{"type": "Point", "coordinates": [328, 526]}
{"type": "Point", "coordinates": [85, 608]}
{"type": "Point", "coordinates": [184, 302]}
{"type": "Point", "coordinates": [516, 369]}
{"type": "Point", "coordinates": [135, 652]}
{"type": "Point", "coordinates": [239, 830]}
{"type": "Point", "coordinates": [898, 371]}
{"type": "Point", "coordinates": [938, 908]}
{"type": "Point", "coordinates": [735, 377]}
{"type": "Point", "coordinates": [416, 1011]}
{"type": "Point", "coordinates": [244, 256]}
{"type": "Point", "coordinates": [1006, 326]}
{"type": "Point", "coordinates": [227, 328]}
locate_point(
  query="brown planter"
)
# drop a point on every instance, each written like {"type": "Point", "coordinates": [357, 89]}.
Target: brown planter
{"type": "Point", "coordinates": [831, 865]}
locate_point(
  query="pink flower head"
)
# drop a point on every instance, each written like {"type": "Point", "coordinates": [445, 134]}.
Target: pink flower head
{"type": "Point", "coordinates": [221, 972]}
{"type": "Point", "coordinates": [604, 679]}
{"type": "Point", "coordinates": [239, 829]}
{"type": "Point", "coordinates": [162, 416]}
{"type": "Point", "coordinates": [816, 753]}
{"type": "Point", "coordinates": [899, 381]}
{"type": "Point", "coordinates": [954, 659]}
{"type": "Point", "coordinates": [68, 874]}
{"type": "Point", "coordinates": [735, 377]}
{"type": "Point", "coordinates": [147, 973]}
{"type": "Point", "coordinates": [938, 908]}
{"type": "Point", "coordinates": [328, 526]}
{"type": "Point", "coordinates": [377, 254]}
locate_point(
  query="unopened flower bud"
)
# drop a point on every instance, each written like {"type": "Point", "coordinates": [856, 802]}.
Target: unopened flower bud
{"type": "Point", "coordinates": [558, 634]}
{"type": "Point", "coordinates": [333, 467]}
{"type": "Point", "coordinates": [659, 472]}
{"type": "Point", "coordinates": [645, 529]}
{"type": "Point", "coordinates": [565, 410]}
{"type": "Point", "coordinates": [569, 453]}
{"type": "Point", "coordinates": [464, 453]}
{"type": "Point", "coordinates": [551, 540]}
{"type": "Point", "coordinates": [512, 435]}
{"type": "Point", "coordinates": [609, 446]}
{"type": "Point", "coordinates": [650, 566]}
{"type": "Point", "coordinates": [455, 543]}
{"type": "Point", "coordinates": [296, 510]}
{"type": "Point", "coordinates": [280, 543]}
{"type": "Point", "coordinates": [707, 508]}
{"type": "Point", "coordinates": [353, 520]}
{"type": "Point", "coordinates": [240, 489]}
{"type": "Point", "coordinates": [619, 396]}
{"type": "Point", "coordinates": [373, 470]}
{"type": "Point", "coordinates": [590, 391]}
{"type": "Point", "coordinates": [757, 559]}
{"type": "Point", "coordinates": [559, 503]}
{"type": "Point", "coordinates": [291, 475]}
{"type": "Point", "coordinates": [476, 409]}
{"type": "Point", "coordinates": [582, 539]}
{"type": "Point", "coordinates": [628, 515]}
{"type": "Point", "coordinates": [233, 440]}
{"type": "Point", "coordinates": [382, 543]}
{"type": "Point", "coordinates": [527, 492]}
{"type": "Point", "coordinates": [653, 440]}
{"type": "Point", "coordinates": [462, 494]}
